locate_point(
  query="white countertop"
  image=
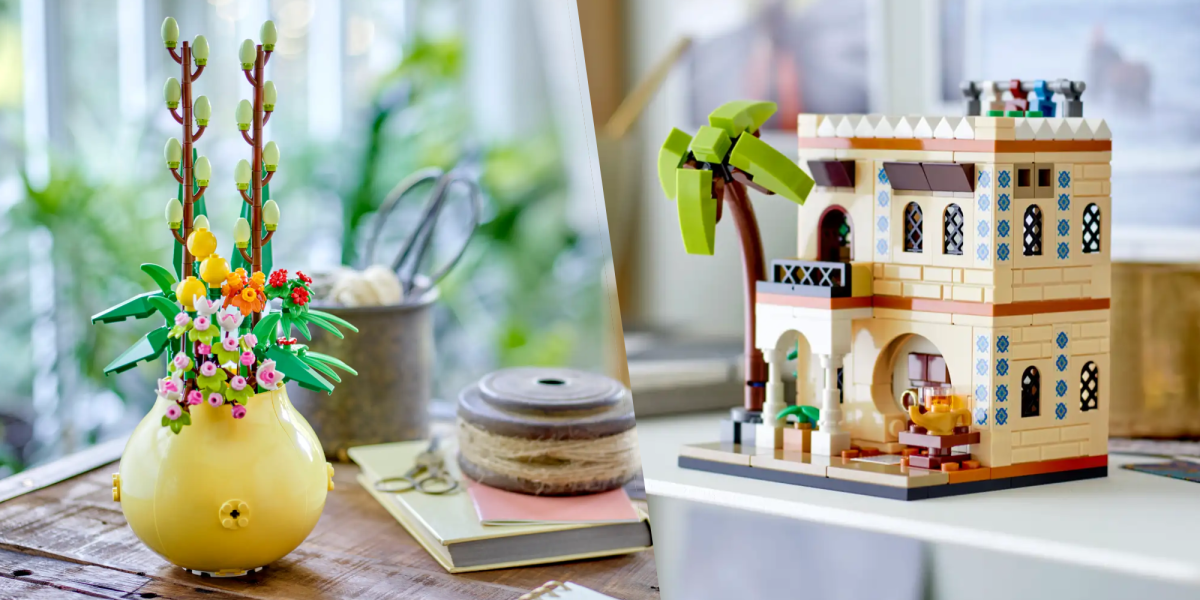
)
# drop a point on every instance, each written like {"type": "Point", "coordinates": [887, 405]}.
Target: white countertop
{"type": "Point", "coordinates": [1130, 522]}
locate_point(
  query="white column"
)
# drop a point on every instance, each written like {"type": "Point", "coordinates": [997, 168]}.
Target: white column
{"type": "Point", "coordinates": [830, 438]}
{"type": "Point", "coordinates": [769, 434]}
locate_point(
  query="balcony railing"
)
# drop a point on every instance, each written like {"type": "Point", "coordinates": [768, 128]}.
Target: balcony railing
{"type": "Point", "coordinates": [817, 279]}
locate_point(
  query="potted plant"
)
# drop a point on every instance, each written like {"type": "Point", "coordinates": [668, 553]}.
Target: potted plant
{"type": "Point", "coordinates": [223, 475]}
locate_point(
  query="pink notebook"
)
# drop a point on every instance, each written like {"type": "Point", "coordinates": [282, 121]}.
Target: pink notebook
{"type": "Point", "coordinates": [498, 507]}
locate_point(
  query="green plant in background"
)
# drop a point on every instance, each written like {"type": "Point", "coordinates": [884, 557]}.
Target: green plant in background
{"type": "Point", "coordinates": [517, 279]}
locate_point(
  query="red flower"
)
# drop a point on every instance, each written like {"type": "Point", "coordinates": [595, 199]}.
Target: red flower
{"type": "Point", "coordinates": [278, 278]}
{"type": "Point", "coordinates": [299, 296]}
{"type": "Point", "coordinates": [303, 277]}
{"type": "Point", "coordinates": [285, 341]}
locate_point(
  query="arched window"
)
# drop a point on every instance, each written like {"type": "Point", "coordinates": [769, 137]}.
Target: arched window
{"type": "Point", "coordinates": [1031, 393]}
{"type": "Point", "coordinates": [914, 228]}
{"type": "Point", "coordinates": [952, 230]}
{"type": "Point", "coordinates": [834, 244]}
{"type": "Point", "coordinates": [1033, 231]}
{"type": "Point", "coordinates": [1091, 229]}
{"type": "Point", "coordinates": [1089, 386]}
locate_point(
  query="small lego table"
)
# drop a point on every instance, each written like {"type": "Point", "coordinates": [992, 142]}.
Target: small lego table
{"type": "Point", "coordinates": [1128, 522]}
{"type": "Point", "coordinates": [70, 540]}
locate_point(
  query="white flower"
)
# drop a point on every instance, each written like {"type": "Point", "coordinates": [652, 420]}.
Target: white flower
{"type": "Point", "coordinates": [206, 307]}
{"type": "Point", "coordinates": [171, 388]}
{"type": "Point", "coordinates": [230, 318]}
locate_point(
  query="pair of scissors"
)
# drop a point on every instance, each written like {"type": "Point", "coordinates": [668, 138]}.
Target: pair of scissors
{"type": "Point", "coordinates": [428, 475]}
{"type": "Point", "coordinates": [413, 253]}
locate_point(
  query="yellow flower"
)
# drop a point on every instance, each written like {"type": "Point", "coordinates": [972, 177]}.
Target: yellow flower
{"type": "Point", "coordinates": [201, 243]}
{"type": "Point", "coordinates": [258, 279]}
{"type": "Point", "coordinates": [249, 294]}
{"type": "Point", "coordinates": [214, 270]}
{"type": "Point", "coordinates": [187, 292]}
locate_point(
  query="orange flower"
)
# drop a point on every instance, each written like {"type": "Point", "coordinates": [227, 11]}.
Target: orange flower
{"type": "Point", "coordinates": [248, 300]}
{"type": "Point", "coordinates": [258, 280]}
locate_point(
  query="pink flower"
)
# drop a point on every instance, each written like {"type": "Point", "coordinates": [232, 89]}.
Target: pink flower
{"type": "Point", "coordinates": [268, 377]}
{"type": "Point", "coordinates": [229, 342]}
{"type": "Point", "coordinates": [206, 307]}
{"type": "Point", "coordinates": [173, 412]}
{"type": "Point", "coordinates": [182, 319]}
{"type": "Point", "coordinates": [202, 323]}
{"type": "Point", "coordinates": [215, 400]}
{"type": "Point", "coordinates": [238, 383]}
{"type": "Point", "coordinates": [181, 361]}
{"type": "Point", "coordinates": [170, 388]}
{"type": "Point", "coordinates": [230, 318]}
{"type": "Point", "coordinates": [248, 358]}
{"type": "Point", "coordinates": [195, 397]}
{"type": "Point", "coordinates": [208, 369]}
{"type": "Point", "coordinates": [250, 339]}
{"type": "Point", "coordinates": [239, 411]}
{"type": "Point", "coordinates": [203, 349]}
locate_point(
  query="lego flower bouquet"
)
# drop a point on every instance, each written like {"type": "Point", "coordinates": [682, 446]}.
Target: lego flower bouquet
{"type": "Point", "coordinates": [229, 348]}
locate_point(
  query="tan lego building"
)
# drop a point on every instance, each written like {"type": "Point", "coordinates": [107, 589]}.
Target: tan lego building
{"type": "Point", "coordinates": [977, 243]}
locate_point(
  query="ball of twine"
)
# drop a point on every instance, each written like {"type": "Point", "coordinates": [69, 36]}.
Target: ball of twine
{"type": "Point", "coordinates": [553, 467]}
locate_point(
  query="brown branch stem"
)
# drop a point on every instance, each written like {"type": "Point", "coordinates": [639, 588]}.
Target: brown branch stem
{"type": "Point", "coordinates": [267, 116]}
{"type": "Point", "coordinates": [245, 255]}
{"type": "Point", "coordinates": [178, 177]}
{"type": "Point", "coordinates": [249, 77]}
{"type": "Point", "coordinates": [178, 117]}
{"type": "Point", "coordinates": [267, 56]}
{"type": "Point", "coordinates": [178, 238]}
{"type": "Point", "coordinates": [199, 70]}
{"type": "Point", "coordinates": [199, 194]}
{"type": "Point", "coordinates": [267, 238]}
{"type": "Point", "coordinates": [175, 55]}
{"type": "Point", "coordinates": [246, 197]}
{"type": "Point", "coordinates": [246, 136]}
{"type": "Point", "coordinates": [199, 132]}
{"type": "Point", "coordinates": [267, 180]}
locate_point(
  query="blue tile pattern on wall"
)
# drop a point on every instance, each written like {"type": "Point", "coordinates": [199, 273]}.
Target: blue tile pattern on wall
{"type": "Point", "coordinates": [982, 252]}
{"type": "Point", "coordinates": [1061, 363]}
{"type": "Point", "coordinates": [1002, 344]}
{"type": "Point", "coordinates": [985, 178]}
{"type": "Point", "coordinates": [1004, 179]}
{"type": "Point", "coordinates": [1064, 227]}
{"type": "Point", "coordinates": [984, 202]}
{"type": "Point", "coordinates": [1003, 228]}
{"type": "Point", "coordinates": [981, 367]}
{"type": "Point", "coordinates": [1064, 179]}
{"type": "Point", "coordinates": [1002, 251]}
{"type": "Point", "coordinates": [980, 416]}
{"type": "Point", "coordinates": [1060, 411]}
{"type": "Point", "coordinates": [1060, 388]}
{"type": "Point", "coordinates": [1002, 393]}
{"type": "Point", "coordinates": [982, 344]}
{"type": "Point", "coordinates": [881, 247]}
{"type": "Point", "coordinates": [883, 224]}
{"type": "Point", "coordinates": [1061, 340]}
{"type": "Point", "coordinates": [884, 197]}
{"type": "Point", "coordinates": [1064, 202]}
{"type": "Point", "coordinates": [1003, 202]}
{"type": "Point", "coordinates": [984, 228]}
{"type": "Point", "coordinates": [883, 178]}
{"type": "Point", "coordinates": [1001, 416]}
{"type": "Point", "coordinates": [1002, 367]}
{"type": "Point", "coordinates": [1064, 250]}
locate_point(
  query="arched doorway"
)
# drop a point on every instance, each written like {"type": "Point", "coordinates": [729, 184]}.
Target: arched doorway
{"type": "Point", "coordinates": [800, 372]}
{"type": "Point", "coordinates": [835, 236]}
{"type": "Point", "coordinates": [907, 363]}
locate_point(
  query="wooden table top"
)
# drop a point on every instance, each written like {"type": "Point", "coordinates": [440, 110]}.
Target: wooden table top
{"type": "Point", "coordinates": [70, 540]}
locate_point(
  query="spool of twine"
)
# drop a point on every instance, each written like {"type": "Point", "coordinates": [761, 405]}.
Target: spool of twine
{"type": "Point", "coordinates": [548, 432]}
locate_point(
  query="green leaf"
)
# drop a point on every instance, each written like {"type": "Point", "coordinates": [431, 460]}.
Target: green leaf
{"type": "Point", "coordinates": [265, 330]}
{"type": "Point", "coordinates": [333, 319]}
{"type": "Point", "coordinates": [166, 421]}
{"type": "Point", "coordinates": [176, 426]}
{"type": "Point", "coordinates": [295, 369]}
{"type": "Point", "coordinates": [671, 156]}
{"type": "Point", "coordinates": [302, 327]}
{"type": "Point", "coordinates": [803, 413]}
{"type": "Point", "coordinates": [205, 336]}
{"type": "Point", "coordinates": [324, 369]}
{"type": "Point", "coordinates": [166, 307]}
{"type": "Point", "coordinates": [186, 418]}
{"type": "Point", "coordinates": [697, 210]}
{"type": "Point", "coordinates": [242, 396]}
{"type": "Point", "coordinates": [326, 325]}
{"type": "Point", "coordinates": [161, 276]}
{"type": "Point", "coordinates": [138, 307]}
{"type": "Point", "coordinates": [212, 383]}
{"type": "Point", "coordinates": [741, 116]}
{"type": "Point", "coordinates": [226, 356]}
{"type": "Point", "coordinates": [329, 360]}
{"type": "Point", "coordinates": [148, 348]}
{"type": "Point", "coordinates": [711, 144]}
{"type": "Point", "coordinates": [771, 169]}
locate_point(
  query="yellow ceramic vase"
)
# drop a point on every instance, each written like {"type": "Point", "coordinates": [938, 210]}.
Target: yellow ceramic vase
{"type": "Point", "coordinates": [224, 496]}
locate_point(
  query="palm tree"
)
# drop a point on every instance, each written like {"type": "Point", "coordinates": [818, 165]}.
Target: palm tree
{"type": "Point", "coordinates": [720, 162]}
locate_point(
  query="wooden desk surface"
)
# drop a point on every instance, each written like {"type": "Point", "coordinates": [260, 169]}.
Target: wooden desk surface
{"type": "Point", "coordinates": [70, 540]}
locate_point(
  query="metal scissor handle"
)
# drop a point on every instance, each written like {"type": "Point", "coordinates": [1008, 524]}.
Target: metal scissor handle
{"type": "Point", "coordinates": [421, 238]}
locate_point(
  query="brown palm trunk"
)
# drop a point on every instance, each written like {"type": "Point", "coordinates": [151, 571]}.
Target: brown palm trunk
{"type": "Point", "coordinates": [752, 267]}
